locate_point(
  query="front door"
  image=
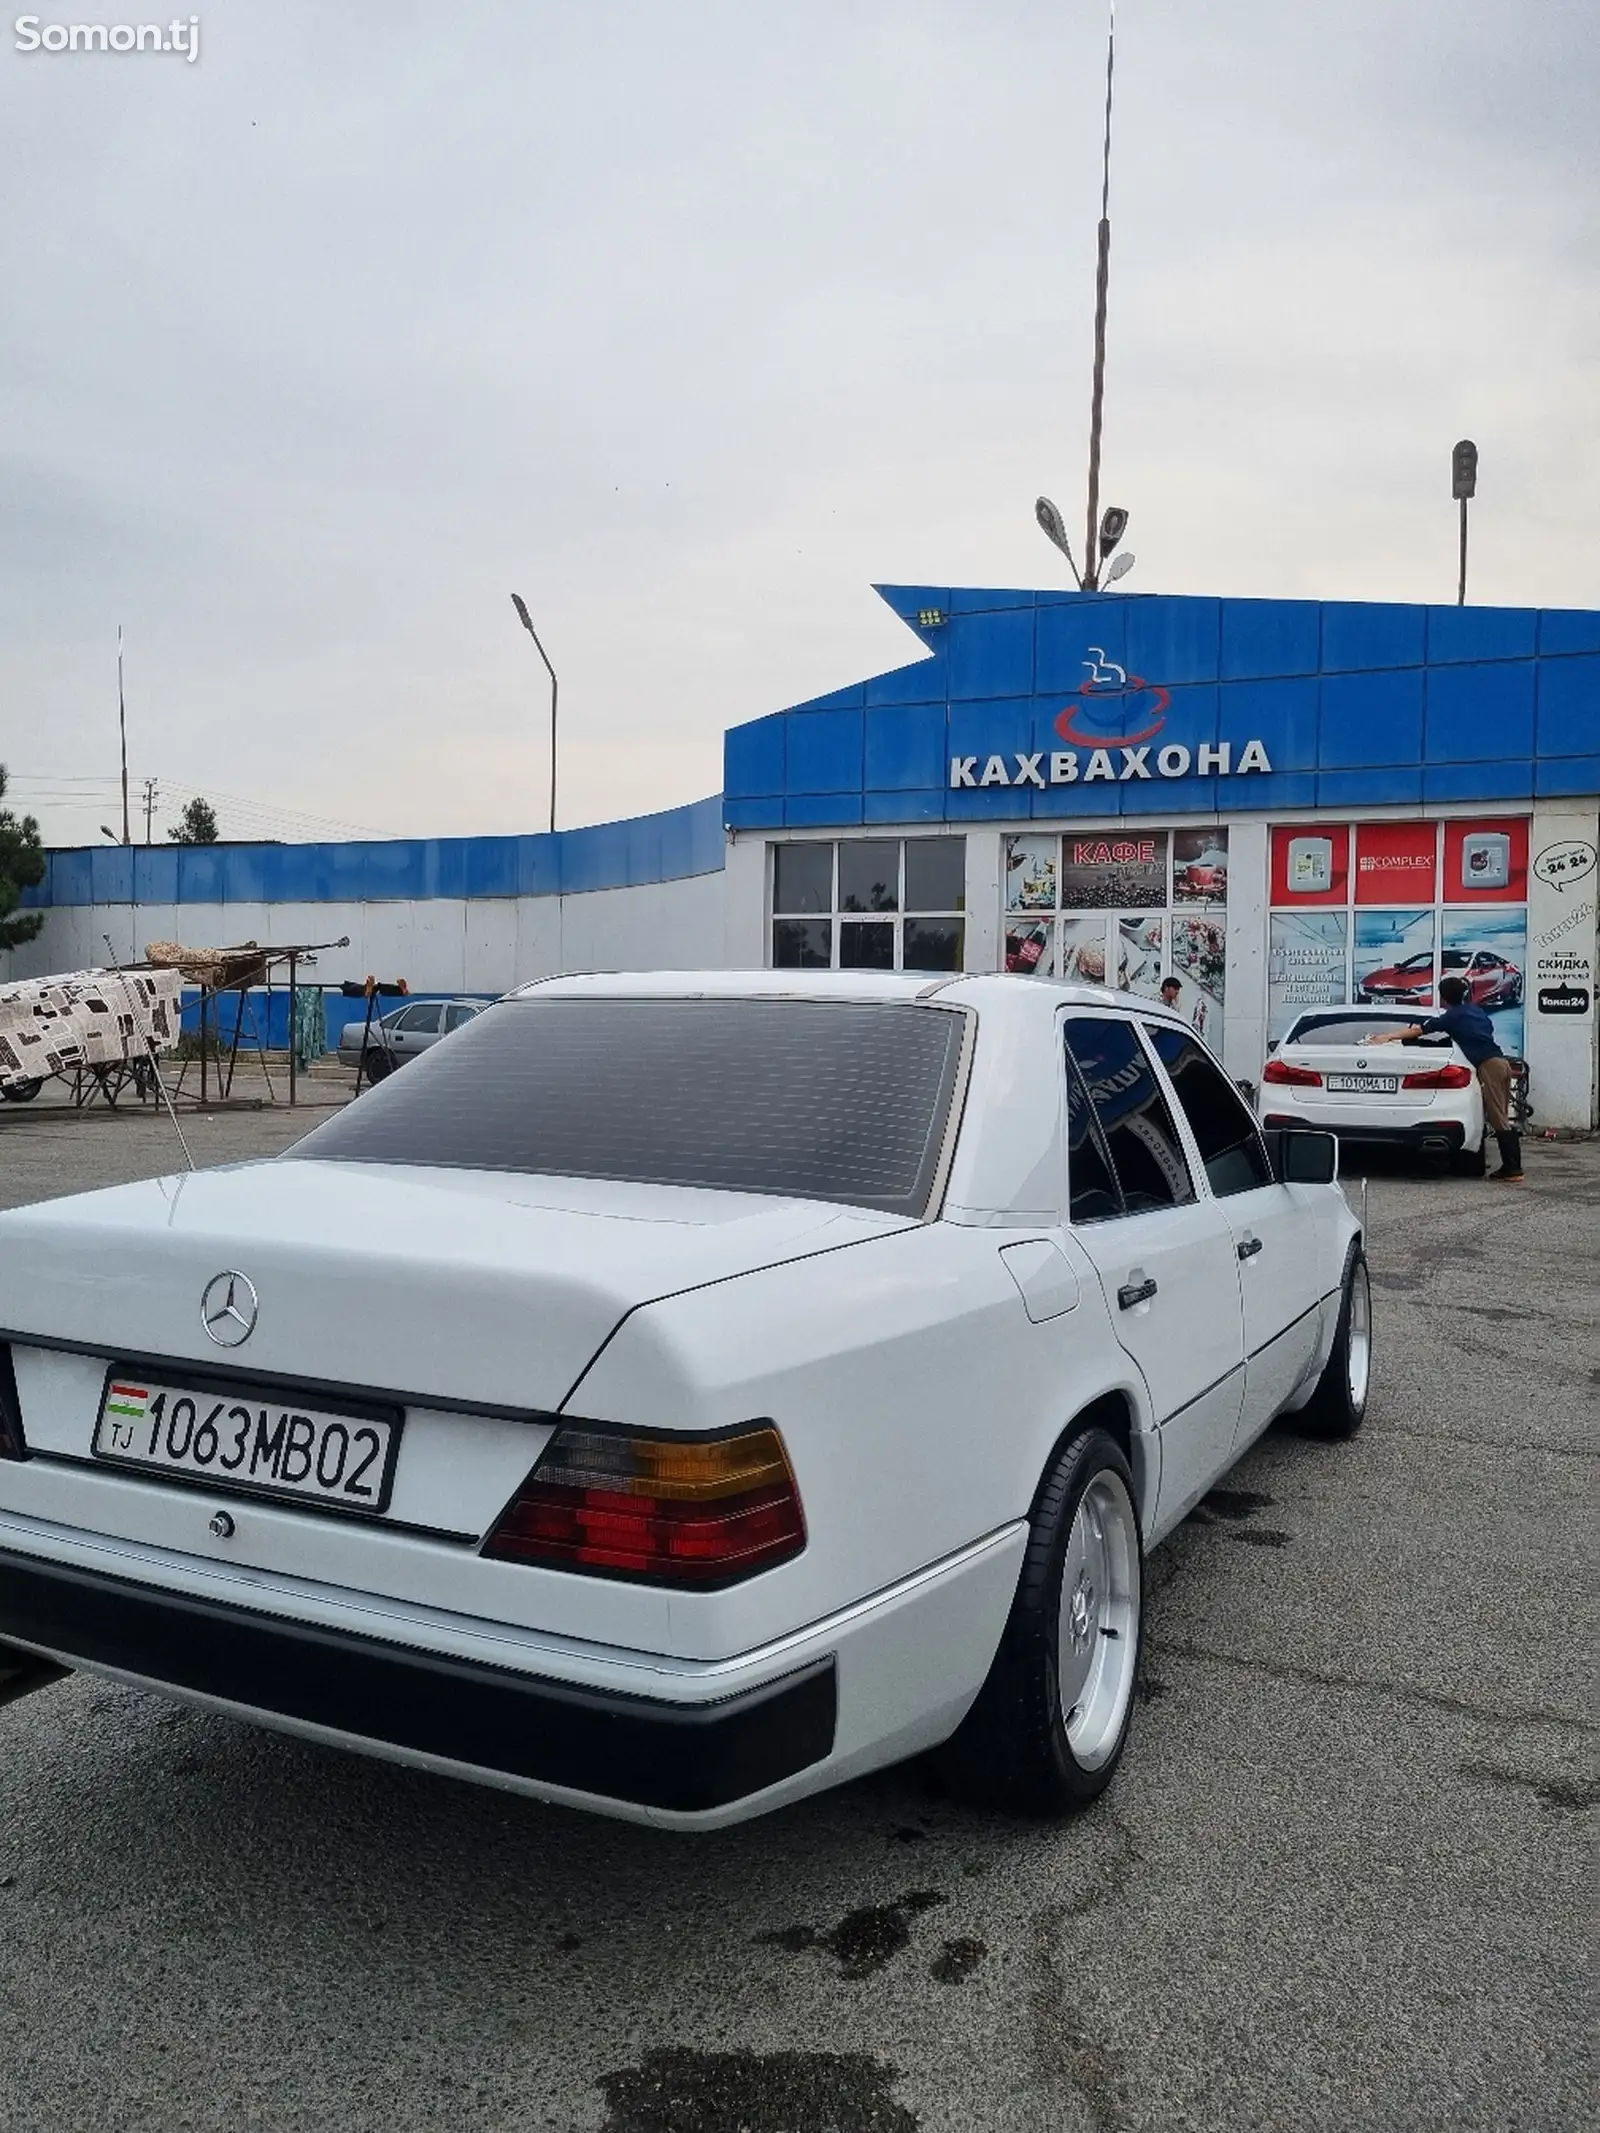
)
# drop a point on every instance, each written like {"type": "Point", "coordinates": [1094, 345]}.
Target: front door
{"type": "Point", "coordinates": [1164, 1255]}
{"type": "Point", "coordinates": [1271, 1234]}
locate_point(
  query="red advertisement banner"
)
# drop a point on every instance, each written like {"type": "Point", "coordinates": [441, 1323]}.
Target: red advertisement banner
{"type": "Point", "coordinates": [1395, 862]}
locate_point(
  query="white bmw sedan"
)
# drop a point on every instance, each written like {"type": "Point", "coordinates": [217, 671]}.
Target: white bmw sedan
{"type": "Point", "coordinates": [678, 1393]}
{"type": "Point", "coordinates": [1422, 1095]}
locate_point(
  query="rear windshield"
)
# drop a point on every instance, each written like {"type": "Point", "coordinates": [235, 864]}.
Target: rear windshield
{"type": "Point", "coordinates": [821, 1100]}
{"type": "Point", "coordinates": [1347, 1028]}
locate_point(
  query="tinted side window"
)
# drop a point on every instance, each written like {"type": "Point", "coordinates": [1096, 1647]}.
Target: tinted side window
{"type": "Point", "coordinates": [1143, 1143]}
{"type": "Point", "coordinates": [417, 1020]}
{"type": "Point", "coordinates": [1230, 1146]}
{"type": "Point", "coordinates": [455, 1016]}
{"type": "Point", "coordinates": [1092, 1193]}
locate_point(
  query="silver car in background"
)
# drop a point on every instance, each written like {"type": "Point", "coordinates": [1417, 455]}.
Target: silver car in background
{"type": "Point", "coordinates": [399, 1035]}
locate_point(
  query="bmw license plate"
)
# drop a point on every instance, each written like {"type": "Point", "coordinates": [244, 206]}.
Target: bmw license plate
{"type": "Point", "coordinates": [240, 1438]}
{"type": "Point", "coordinates": [1361, 1084]}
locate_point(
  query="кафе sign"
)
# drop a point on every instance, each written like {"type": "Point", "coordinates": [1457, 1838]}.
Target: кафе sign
{"type": "Point", "coordinates": [1114, 714]}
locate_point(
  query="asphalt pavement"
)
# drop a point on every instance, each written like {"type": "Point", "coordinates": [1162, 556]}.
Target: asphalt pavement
{"type": "Point", "coordinates": [1343, 1879]}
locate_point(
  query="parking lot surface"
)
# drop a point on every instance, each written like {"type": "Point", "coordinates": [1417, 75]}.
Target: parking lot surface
{"type": "Point", "coordinates": [1341, 1881]}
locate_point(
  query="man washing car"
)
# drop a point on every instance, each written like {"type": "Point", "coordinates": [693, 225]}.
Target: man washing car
{"type": "Point", "coordinates": [1470, 1028]}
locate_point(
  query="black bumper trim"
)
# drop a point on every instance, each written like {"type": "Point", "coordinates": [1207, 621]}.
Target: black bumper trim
{"type": "Point", "coordinates": [686, 1757]}
{"type": "Point", "coordinates": [1448, 1130]}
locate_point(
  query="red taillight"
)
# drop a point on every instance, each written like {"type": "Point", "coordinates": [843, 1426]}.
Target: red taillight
{"type": "Point", "coordinates": [667, 1509]}
{"type": "Point", "coordinates": [12, 1445]}
{"type": "Point", "coordinates": [1445, 1077]}
{"type": "Point", "coordinates": [1280, 1071]}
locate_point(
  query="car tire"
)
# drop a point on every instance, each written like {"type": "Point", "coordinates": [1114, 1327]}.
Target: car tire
{"type": "Point", "coordinates": [21, 1092]}
{"type": "Point", "coordinates": [1338, 1407]}
{"type": "Point", "coordinates": [1051, 1721]}
{"type": "Point", "coordinates": [1471, 1162]}
{"type": "Point", "coordinates": [379, 1064]}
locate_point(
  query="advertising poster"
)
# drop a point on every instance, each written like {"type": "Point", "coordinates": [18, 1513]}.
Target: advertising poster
{"type": "Point", "coordinates": [1307, 964]}
{"type": "Point", "coordinates": [1200, 866]}
{"type": "Point", "coordinates": [1030, 947]}
{"type": "Point", "coordinates": [1488, 950]}
{"type": "Point", "coordinates": [1310, 864]}
{"type": "Point", "coordinates": [1393, 958]}
{"type": "Point", "coordinates": [1199, 959]}
{"type": "Point", "coordinates": [1561, 923]}
{"type": "Point", "coordinates": [1111, 870]}
{"type": "Point", "coordinates": [1083, 949]}
{"type": "Point", "coordinates": [1395, 862]}
{"type": "Point", "coordinates": [1485, 862]}
{"type": "Point", "coordinates": [1031, 873]}
{"type": "Point", "coordinates": [1141, 954]}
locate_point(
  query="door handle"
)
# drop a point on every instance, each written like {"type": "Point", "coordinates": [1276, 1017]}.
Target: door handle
{"type": "Point", "coordinates": [1134, 1292]}
{"type": "Point", "coordinates": [1249, 1248]}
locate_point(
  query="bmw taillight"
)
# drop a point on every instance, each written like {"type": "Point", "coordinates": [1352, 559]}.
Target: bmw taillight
{"type": "Point", "coordinates": [1445, 1077]}
{"type": "Point", "coordinates": [670, 1510]}
{"type": "Point", "coordinates": [1280, 1071]}
{"type": "Point", "coordinates": [12, 1445]}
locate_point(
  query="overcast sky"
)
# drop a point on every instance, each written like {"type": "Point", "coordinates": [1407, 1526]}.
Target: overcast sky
{"type": "Point", "coordinates": [689, 321]}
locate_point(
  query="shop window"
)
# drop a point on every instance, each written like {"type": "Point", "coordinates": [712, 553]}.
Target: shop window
{"type": "Point", "coordinates": [869, 903]}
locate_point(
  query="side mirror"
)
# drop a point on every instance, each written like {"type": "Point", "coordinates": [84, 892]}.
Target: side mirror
{"type": "Point", "coordinates": [1301, 1156]}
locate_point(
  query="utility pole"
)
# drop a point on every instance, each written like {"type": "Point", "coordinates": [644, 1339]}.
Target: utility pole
{"type": "Point", "coordinates": [150, 798]}
{"type": "Point", "coordinates": [122, 728]}
{"type": "Point", "coordinates": [526, 620]}
{"type": "Point", "coordinates": [1463, 483]}
{"type": "Point", "coordinates": [1091, 568]}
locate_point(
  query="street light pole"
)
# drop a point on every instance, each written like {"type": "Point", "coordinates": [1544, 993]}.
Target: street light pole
{"type": "Point", "coordinates": [122, 728]}
{"type": "Point", "coordinates": [1102, 278]}
{"type": "Point", "coordinates": [1463, 483]}
{"type": "Point", "coordinates": [526, 619]}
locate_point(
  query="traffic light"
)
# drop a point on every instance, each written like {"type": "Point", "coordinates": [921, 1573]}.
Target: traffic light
{"type": "Point", "coordinates": [1464, 469]}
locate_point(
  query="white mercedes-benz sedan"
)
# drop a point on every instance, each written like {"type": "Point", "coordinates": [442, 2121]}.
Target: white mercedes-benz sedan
{"type": "Point", "coordinates": [678, 1393]}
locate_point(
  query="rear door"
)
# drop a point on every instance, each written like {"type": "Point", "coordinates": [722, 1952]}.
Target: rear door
{"type": "Point", "coordinates": [1164, 1254]}
{"type": "Point", "coordinates": [1272, 1227]}
{"type": "Point", "coordinates": [414, 1029]}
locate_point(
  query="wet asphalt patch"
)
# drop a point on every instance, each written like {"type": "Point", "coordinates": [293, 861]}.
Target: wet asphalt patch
{"type": "Point", "coordinates": [865, 1940]}
{"type": "Point", "coordinates": [680, 2091]}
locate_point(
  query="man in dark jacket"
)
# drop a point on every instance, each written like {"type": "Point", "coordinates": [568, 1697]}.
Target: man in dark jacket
{"type": "Point", "coordinates": [1469, 1028]}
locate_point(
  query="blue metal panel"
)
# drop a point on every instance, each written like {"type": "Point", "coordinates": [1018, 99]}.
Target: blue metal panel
{"type": "Point", "coordinates": [643, 851]}
{"type": "Point", "coordinates": [491, 866]}
{"type": "Point", "coordinates": [994, 656]}
{"type": "Point", "coordinates": [1282, 715]}
{"type": "Point", "coordinates": [708, 851]}
{"type": "Point", "coordinates": [1279, 789]}
{"type": "Point", "coordinates": [392, 871]}
{"type": "Point", "coordinates": [905, 749]}
{"type": "Point", "coordinates": [903, 806]}
{"type": "Point", "coordinates": [244, 873]}
{"type": "Point", "coordinates": [1478, 781]}
{"type": "Point", "coordinates": [1569, 705]}
{"type": "Point", "coordinates": [752, 757]}
{"type": "Point", "coordinates": [72, 878]}
{"type": "Point", "coordinates": [38, 896]}
{"type": "Point", "coordinates": [539, 865]}
{"type": "Point", "coordinates": [1364, 634]}
{"type": "Point", "coordinates": [925, 681]}
{"type": "Point", "coordinates": [155, 874]}
{"type": "Point", "coordinates": [1369, 720]}
{"type": "Point", "coordinates": [1565, 775]}
{"type": "Point", "coordinates": [998, 804]}
{"type": "Point", "coordinates": [595, 858]}
{"type": "Point", "coordinates": [847, 699]}
{"type": "Point", "coordinates": [1458, 633]}
{"type": "Point", "coordinates": [753, 814]}
{"type": "Point", "coordinates": [1262, 639]}
{"type": "Point", "coordinates": [908, 601]}
{"type": "Point", "coordinates": [1173, 640]}
{"type": "Point", "coordinates": [1369, 788]}
{"type": "Point", "coordinates": [340, 871]}
{"type": "Point", "coordinates": [820, 810]}
{"type": "Point", "coordinates": [201, 874]}
{"type": "Point", "coordinates": [987, 600]}
{"type": "Point", "coordinates": [983, 730]}
{"type": "Point", "coordinates": [1063, 635]}
{"type": "Point", "coordinates": [111, 874]}
{"type": "Point", "coordinates": [1480, 714]}
{"type": "Point", "coordinates": [1569, 629]}
{"type": "Point", "coordinates": [824, 752]}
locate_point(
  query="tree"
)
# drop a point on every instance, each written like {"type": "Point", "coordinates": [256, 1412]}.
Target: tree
{"type": "Point", "coordinates": [21, 867]}
{"type": "Point", "coordinates": [197, 824]}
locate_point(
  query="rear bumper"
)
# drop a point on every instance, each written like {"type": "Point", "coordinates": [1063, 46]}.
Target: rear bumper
{"type": "Point", "coordinates": [685, 1758]}
{"type": "Point", "coordinates": [1435, 1132]}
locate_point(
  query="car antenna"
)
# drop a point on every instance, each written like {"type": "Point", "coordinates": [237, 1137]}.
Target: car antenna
{"type": "Point", "coordinates": [150, 1049]}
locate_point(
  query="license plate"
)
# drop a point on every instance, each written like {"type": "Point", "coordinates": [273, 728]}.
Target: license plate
{"type": "Point", "coordinates": [1361, 1084]}
{"type": "Point", "coordinates": [241, 1438]}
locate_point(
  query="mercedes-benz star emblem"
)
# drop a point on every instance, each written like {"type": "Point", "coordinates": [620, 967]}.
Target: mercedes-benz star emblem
{"type": "Point", "coordinates": [228, 1309]}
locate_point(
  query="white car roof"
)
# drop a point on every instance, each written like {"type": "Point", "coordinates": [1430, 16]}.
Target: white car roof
{"type": "Point", "coordinates": [992, 991]}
